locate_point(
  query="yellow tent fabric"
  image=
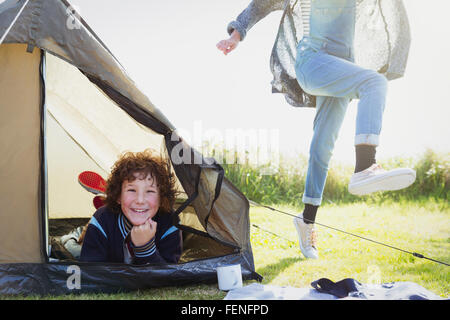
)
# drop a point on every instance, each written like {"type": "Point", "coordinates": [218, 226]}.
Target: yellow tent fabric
{"type": "Point", "coordinates": [20, 129]}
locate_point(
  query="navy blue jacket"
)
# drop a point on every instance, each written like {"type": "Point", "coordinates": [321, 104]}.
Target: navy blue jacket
{"type": "Point", "coordinates": [105, 240]}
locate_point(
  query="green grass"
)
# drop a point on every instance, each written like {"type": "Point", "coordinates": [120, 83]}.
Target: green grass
{"type": "Point", "coordinates": [286, 184]}
{"type": "Point", "coordinates": [421, 227]}
{"type": "Point", "coordinates": [415, 219]}
{"type": "Point", "coordinates": [418, 226]}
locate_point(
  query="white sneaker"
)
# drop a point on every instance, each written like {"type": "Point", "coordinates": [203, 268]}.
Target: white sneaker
{"type": "Point", "coordinates": [306, 237]}
{"type": "Point", "coordinates": [375, 179]}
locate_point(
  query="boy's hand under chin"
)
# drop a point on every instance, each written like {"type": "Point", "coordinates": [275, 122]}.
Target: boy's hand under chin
{"type": "Point", "coordinates": [142, 234]}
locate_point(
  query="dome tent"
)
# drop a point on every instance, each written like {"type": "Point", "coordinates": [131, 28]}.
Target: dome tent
{"type": "Point", "coordinates": [68, 105]}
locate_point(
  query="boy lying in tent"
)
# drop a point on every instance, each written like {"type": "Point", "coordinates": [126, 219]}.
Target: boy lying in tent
{"type": "Point", "coordinates": [134, 226]}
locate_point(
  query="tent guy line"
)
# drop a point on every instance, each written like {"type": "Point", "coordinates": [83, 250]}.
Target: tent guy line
{"type": "Point", "coordinates": [272, 233]}
{"type": "Point", "coordinates": [415, 254]}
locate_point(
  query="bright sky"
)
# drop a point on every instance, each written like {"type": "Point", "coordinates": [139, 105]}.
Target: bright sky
{"type": "Point", "coordinates": [168, 49]}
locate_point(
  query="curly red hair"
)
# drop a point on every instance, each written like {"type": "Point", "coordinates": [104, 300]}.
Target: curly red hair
{"type": "Point", "coordinates": [141, 164]}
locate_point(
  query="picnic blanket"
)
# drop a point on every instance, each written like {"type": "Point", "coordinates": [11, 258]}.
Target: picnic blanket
{"type": "Point", "coordinates": [325, 289]}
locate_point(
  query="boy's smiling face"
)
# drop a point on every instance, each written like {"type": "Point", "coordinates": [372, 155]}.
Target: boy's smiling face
{"type": "Point", "coordinates": [139, 199]}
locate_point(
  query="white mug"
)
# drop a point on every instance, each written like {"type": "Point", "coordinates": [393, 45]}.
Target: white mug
{"type": "Point", "coordinates": [229, 277]}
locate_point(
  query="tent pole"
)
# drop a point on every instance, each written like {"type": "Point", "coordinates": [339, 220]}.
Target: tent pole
{"type": "Point", "coordinates": [44, 171]}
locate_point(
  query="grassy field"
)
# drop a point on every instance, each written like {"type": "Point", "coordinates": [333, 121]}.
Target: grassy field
{"type": "Point", "coordinates": [415, 219]}
{"type": "Point", "coordinates": [420, 226]}
{"type": "Point", "coordinates": [287, 182]}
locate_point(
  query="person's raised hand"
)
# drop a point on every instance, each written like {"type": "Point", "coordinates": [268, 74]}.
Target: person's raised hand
{"type": "Point", "coordinates": [228, 45]}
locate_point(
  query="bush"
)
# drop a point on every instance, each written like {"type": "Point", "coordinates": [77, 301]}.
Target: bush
{"type": "Point", "coordinates": [286, 185]}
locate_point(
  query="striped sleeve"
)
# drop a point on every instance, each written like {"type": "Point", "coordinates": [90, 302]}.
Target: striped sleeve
{"type": "Point", "coordinates": [145, 250]}
{"type": "Point", "coordinates": [166, 249]}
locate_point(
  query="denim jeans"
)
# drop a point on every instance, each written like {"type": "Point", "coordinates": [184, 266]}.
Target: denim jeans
{"type": "Point", "coordinates": [325, 68]}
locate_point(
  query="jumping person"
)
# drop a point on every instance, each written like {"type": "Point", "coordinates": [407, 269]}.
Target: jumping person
{"type": "Point", "coordinates": [327, 77]}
